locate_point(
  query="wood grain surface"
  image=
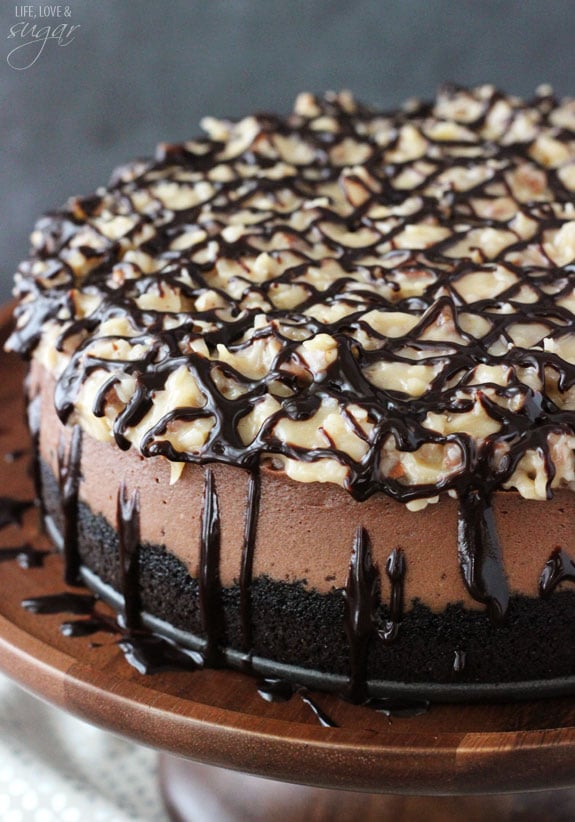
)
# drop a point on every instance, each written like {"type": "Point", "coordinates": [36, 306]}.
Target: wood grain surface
{"type": "Point", "coordinates": [218, 717]}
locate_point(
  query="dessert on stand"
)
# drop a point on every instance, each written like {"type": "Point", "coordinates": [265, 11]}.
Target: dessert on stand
{"type": "Point", "coordinates": [218, 717]}
{"type": "Point", "coordinates": [299, 404]}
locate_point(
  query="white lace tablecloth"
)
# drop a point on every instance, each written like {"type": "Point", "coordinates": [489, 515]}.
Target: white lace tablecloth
{"type": "Point", "coordinates": [56, 768]}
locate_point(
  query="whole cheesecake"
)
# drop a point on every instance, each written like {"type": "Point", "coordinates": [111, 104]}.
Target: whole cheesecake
{"type": "Point", "coordinates": [302, 393]}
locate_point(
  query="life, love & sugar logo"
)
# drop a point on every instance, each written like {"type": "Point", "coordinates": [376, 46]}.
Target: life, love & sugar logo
{"type": "Point", "coordinates": [36, 28]}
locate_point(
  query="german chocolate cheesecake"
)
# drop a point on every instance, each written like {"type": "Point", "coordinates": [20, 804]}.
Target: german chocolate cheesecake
{"type": "Point", "coordinates": [302, 393]}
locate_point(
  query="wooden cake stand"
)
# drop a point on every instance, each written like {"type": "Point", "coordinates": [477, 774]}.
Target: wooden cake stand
{"type": "Point", "coordinates": [453, 752]}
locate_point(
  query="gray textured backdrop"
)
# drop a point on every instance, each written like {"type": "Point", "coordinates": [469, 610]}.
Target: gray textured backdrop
{"type": "Point", "coordinates": [141, 71]}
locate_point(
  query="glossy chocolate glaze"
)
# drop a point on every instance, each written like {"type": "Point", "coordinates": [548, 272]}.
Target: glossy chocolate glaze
{"type": "Point", "coordinates": [362, 593]}
{"type": "Point", "coordinates": [151, 654]}
{"type": "Point", "coordinates": [12, 510]}
{"type": "Point", "coordinates": [395, 570]}
{"type": "Point", "coordinates": [559, 568]}
{"type": "Point", "coordinates": [69, 475]}
{"type": "Point", "coordinates": [480, 554]}
{"type": "Point", "coordinates": [275, 690]}
{"type": "Point", "coordinates": [25, 555]}
{"type": "Point", "coordinates": [394, 707]}
{"type": "Point", "coordinates": [128, 523]}
{"type": "Point", "coordinates": [324, 719]}
{"type": "Point", "coordinates": [252, 509]}
{"type": "Point", "coordinates": [209, 577]}
{"type": "Point", "coordinates": [95, 623]}
{"type": "Point", "coordinates": [278, 690]}
{"type": "Point", "coordinates": [63, 603]}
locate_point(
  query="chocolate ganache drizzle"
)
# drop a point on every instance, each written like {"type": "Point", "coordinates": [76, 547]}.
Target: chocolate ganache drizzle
{"type": "Point", "coordinates": [559, 568]}
{"type": "Point", "coordinates": [209, 576]}
{"type": "Point", "coordinates": [128, 520]}
{"type": "Point", "coordinates": [248, 547]}
{"type": "Point", "coordinates": [362, 594]}
{"type": "Point", "coordinates": [385, 300]}
{"type": "Point", "coordinates": [395, 570]}
{"type": "Point", "coordinates": [69, 482]}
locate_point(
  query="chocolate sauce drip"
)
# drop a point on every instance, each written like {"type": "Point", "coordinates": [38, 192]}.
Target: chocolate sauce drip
{"type": "Point", "coordinates": [275, 690]}
{"type": "Point", "coordinates": [209, 586]}
{"type": "Point", "coordinates": [33, 419]}
{"type": "Point", "coordinates": [459, 660]}
{"type": "Point", "coordinates": [79, 628]}
{"type": "Point", "coordinates": [11, 553]}
{"type": "Point", "coordinates": [558, 568]}
{"type": "Point", "coordinates": [151, 654]}
{"type": "Point", "coordinates": [25, 555]}
{"type": "Point", "coordinates": [362, 594]}
{"type": "Point", "coordinates": [96, 623]}
{"type": "Point", "coordinates": [248, 548]}
{"type": "Point", "coordinates": [395, 570]}
{"type": "Point", "coordinates": [480, 553]}
{"type": "Point", "coordinates": [11, 510]}
{"type": "Point", "coordinates": [398, 707]}
{"type": "Point", "coordinates": [324, 719]}
{"type": "Point", "coordinates": [30, 557]}
{"type": "Point", "coordinates": [64, 603]}
{"type": "Point", "coordinates": [279, 690]}
{"type": "Point", "coordinates": [69, 481]}
{"type": "Point", "coordinates": [128, 523]}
